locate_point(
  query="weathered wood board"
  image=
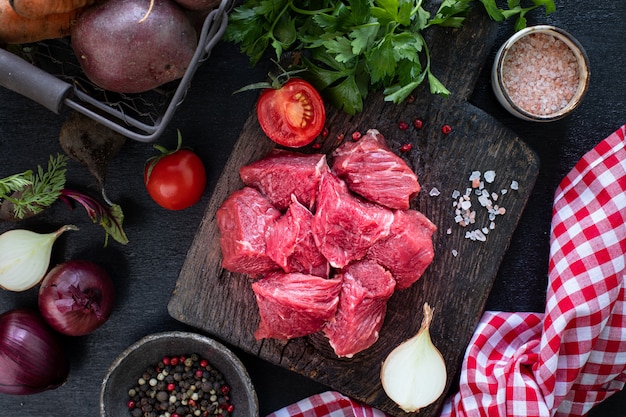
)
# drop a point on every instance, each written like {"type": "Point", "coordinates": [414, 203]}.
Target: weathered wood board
{"type": "Point", "coordinates": [460, 278]}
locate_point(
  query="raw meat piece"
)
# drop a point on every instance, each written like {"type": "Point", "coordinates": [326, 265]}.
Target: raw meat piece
{"type": "Point", "coordinates": [362, 307]}
{"type": "Point", "coordinates": [373, 171]}
{"type": "Point", "coordinates": [290, 243]}
{"type": "Point", "coordinates": [243, 219]}
{"type": "Point", "coordinates": [408, 250]}
{"type": "Point", "coordinates": [283, 173]}
{"type": "Point", "coordinates": [345, 226]}
{"type": "Point", "coordinates": [294, 305]}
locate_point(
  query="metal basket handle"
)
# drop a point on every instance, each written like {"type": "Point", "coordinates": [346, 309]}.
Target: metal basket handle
{"type": "Point", "coordinates": [20, 76]}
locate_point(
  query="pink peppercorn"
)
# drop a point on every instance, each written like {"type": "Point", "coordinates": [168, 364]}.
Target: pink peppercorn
{"type": "Point", "coordinates": [174, 361]}
{"type": "Point", "coordinates": [225, 389]}
{"type": "Point", "coordinates": [418, 123]}
{"type": "Point", "coordinates": [171, 387]}
{"type": "Point", "coordinates": [356, 135]}
{"type": "Point", "coordinates": [131, 404]}
{"type": "Point", "coordinates": [166, 360]}
{"type": "Point", "coordinates": [406, 147]}
{"type": "Point", "coordinates": [198, 373]}
{"type": "Point", "coordinates": [445, 129]}
{"type": "Point", "coordinates": [230, 408]}
{"type": "Point", "coordinates": [402, 125]}
{"type": "Point", "coordinates": [204, 363]}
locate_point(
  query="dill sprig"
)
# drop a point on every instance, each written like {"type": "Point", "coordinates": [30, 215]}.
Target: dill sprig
{"type": "Point", "coordinates": [31, 194]}
{"type": "Point", "coordinates": [14, 183]}
{"type": "Point", "coordinates": [38, 191]}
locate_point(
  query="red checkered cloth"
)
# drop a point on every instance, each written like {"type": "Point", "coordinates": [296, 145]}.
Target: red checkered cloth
{"type": "Point", "coordinates": [328, 404]}
{"type": "Point", "coordinates": [570, 358]}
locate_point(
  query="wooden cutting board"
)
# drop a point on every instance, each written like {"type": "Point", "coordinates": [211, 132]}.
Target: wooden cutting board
{"type": "Point", "coordinates": [460, 278]}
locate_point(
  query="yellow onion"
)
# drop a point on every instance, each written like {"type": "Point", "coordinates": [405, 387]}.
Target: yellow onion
{"type": "Point", "coordinates": [25, 257]}
{"type": "Point", "coordinates": [414, 374]}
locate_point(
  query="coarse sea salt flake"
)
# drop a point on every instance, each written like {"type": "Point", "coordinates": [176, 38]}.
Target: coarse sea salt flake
{"type": "Point", "coordinates": [490, 176]}
{"type": "Point", "coordinates": [484, 201]}
{"type": "Point", "coordinates": [434, 192]}
{"type": "Point", "coordinates": [514, 185]}
{"type": "Point", "coordinates": [479, 236]}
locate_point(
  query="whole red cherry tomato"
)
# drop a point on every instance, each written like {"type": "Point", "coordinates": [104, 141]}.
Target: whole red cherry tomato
{"type": "Point", "coordinates": [175, 179]}
{"type": "Point", "coordinates": [292, 115]}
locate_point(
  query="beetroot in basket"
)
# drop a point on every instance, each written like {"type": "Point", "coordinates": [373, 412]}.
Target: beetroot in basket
{"type": "Point", "coordinates": [132, 46]}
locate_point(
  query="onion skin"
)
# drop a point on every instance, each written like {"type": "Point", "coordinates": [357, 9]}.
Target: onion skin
{"type": "Point", "coordinates": [76, 297]}
{"type": "Point", "coordinates": [32, 358]}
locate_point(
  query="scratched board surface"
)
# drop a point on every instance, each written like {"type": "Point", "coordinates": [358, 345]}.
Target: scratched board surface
{"type": "Point", "coordinates": [460, 278]}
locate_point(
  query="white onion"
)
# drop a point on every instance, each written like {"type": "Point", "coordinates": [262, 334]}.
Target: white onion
{"type": "Point", "coordinates": [25, 257]}
{"type": "Point", "coordinates": [414, 374]}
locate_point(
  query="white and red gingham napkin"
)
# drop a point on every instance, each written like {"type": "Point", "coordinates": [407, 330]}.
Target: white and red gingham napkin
{"type": "Point", "coordinates": [570, 358]}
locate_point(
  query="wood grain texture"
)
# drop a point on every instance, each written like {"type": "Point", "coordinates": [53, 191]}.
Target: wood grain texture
{"type": "Point", "coordinates": [459, 280]}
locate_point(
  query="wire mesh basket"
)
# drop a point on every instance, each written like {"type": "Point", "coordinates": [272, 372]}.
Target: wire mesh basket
{"type": "Point", "coordinates": [51, 76]}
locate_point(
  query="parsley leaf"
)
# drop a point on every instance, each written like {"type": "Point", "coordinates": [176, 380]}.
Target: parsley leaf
{"type": "Point", "coordinates": [351, 47]}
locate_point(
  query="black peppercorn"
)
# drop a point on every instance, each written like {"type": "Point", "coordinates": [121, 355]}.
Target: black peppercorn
{"type": "Point", "coordinates": [186, 385]}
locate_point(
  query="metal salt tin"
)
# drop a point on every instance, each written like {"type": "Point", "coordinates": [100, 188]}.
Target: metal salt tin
{"type": "Point", "coordinates": [583, 74]}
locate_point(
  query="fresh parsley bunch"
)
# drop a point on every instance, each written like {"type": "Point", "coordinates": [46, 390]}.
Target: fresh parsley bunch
{"type": "Point", "coordinates": [351, 47]}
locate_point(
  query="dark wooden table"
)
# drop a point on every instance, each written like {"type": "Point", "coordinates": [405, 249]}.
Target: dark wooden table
{"type": "Point", "coordinates": [210, 119]}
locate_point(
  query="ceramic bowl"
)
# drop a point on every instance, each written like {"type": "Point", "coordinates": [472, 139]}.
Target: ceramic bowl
{"type": "Point", "coordinates": [521, 111]}
{"type": "Point", "coordinates": [128, 367]}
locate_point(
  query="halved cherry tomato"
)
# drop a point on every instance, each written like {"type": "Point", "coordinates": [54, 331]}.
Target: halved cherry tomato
{"type": "Point", "coordinates": [292, 115]}
{"type": "Point", "coordinates": [175, 179]}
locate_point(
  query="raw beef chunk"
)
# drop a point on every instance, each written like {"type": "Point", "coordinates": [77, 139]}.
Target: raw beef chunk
{"type": "Point", "coordinates": [408, 250]}
{"type": "Point", "coordinates": [289, 242]}
{"type": "Point", "coordinates": [283, 173]}
{"type": "Point", "coordinates": [345, 226]}
{"type": "Point", "coordinates": [242, 220]}
{"type": "Point", "coordinates": [294, 305]}
{"type": "Point", "coordinates": [362, 306]}
{"type": "Point", "coordinates": [373, 171]}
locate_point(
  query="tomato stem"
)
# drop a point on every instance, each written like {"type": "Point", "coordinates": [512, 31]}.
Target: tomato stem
{"type": "Point", "coordinates": [151, 162]}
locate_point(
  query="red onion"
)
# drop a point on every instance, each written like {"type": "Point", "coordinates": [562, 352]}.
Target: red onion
{"type": "Point", "coordinates": [76, 297]}
{"type": "Point", "coordinates": [32, 358]}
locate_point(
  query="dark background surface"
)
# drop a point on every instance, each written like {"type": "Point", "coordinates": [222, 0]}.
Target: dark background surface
{"type": "Point", "coordinates": [210, 119]}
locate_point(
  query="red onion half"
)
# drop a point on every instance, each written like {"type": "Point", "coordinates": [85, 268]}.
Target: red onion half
{"type": "Point", "coordinates": [32, 358]}
{"type": "Point", "coordinates": [76, 297]}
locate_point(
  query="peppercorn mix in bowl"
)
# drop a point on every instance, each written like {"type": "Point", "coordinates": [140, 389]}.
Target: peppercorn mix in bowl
{"type": "Point", "coordinates": [541, 74]}
{"type": "Point", "coordinates": [177, 373]}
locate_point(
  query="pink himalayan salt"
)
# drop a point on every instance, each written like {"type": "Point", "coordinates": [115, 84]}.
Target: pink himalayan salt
{"type": "Point", "coordinates": [540, 74]}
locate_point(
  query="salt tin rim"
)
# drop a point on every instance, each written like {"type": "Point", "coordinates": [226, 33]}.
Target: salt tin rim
{"type": "Point", "coordinates": [583, 71]}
